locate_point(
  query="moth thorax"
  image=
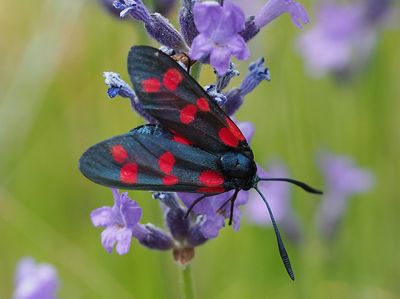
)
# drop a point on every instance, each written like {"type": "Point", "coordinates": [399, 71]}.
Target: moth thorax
{"type": "Point", "coordinates": [239, 167]}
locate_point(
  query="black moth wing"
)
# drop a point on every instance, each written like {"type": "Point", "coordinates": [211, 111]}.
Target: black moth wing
{"type": "Point", "coordinates": [152, 158]}
{"type": "Point", "coordinates": [170, 95]}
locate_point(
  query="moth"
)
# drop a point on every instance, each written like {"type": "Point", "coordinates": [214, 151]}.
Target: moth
{"type": "Point", "coordinates": [194, 147]}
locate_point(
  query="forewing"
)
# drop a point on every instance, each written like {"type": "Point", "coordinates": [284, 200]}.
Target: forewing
{"type": "Point", "coordinates": [152, 158]}
{"type": "Point", "coordinates": [179, 103]}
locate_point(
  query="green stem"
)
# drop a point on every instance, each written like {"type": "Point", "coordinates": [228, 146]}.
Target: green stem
{"type": "Point", "coordinates": [195, 71]}
{"type": "Point", "coordinates": [187, 282]}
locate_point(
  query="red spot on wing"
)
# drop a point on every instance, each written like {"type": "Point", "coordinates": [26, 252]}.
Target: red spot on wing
{"type": "Point", "coordinates": [235, 130]}
{"type": "Point", "coordinates": [188, 114]}
{"type": "Point", "coordinates": [119, 153]}
{"type": "Point", "coordinates": [228, 137]}
{"type": "Point", "coordinates": [216, 189]}
{"type": "Point", "coordinates": [181, 139]}
{"type": "Point", "coordinates": [203, 105]}
{"type": "Point", "coordinates": [169, 180]}
{"type": "Point", "coordinates": [151, 85]}
{"type": "Point", "coordinates": [166, 162]}
{"type": "Point", "coordinates": [128, 173]}
{"type": "Point", "coordinates": [172, 78]}
{"type": "Point", "coordinates": [211, 178]}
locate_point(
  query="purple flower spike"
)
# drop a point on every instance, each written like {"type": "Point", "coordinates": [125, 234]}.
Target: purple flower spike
{"type": "Point", "coordinates": [120, 221]}
{"type": "Point", "coordinates": [274, 8]}
{"type": "Point", "coordinates": [219, 37]}
{"type": "Point", "coordinates": [156, 25]}
{"type": "Point", "coordinates": [35, 281]}
{"type": "Point", "coordinates": [278, 196]}
{"type": "Point", "coordinates": [186, 20]}
{"type": "Point", "coordinates": [257, 73]}
{"type": "Point", "coordinates": [343, 179]}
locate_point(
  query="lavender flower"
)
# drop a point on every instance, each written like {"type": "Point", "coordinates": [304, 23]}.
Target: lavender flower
{"type": "Point", "coordinates": [342, 38]}
{"type": "Point", "coordinates": [215, 209]}
{"type": "Point", "coordinates": [35, 281]}
{"type": "Point", "coordinates": [235, 97]}
{"type": "Point", "coordinates": [278, 196]}
{"type": "Point", "coordinates": [343, 179]}
{"type": "Point", "coordinates": [121, 222]}
{"type": "Point", "coordinates": [186, 20]}
{"type": "Point", "coordinates": [270, 11]}
{"type": "Point", "coordinates": [156, 25]}
{"type": "Point", "coordinates": [219, 38]}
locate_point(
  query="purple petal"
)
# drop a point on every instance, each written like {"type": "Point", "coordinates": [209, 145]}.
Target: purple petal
{"type": "Point", "coordinates": [274, 8]}
{"type": "Point", "coordinates": [201, 46]}
{"type": "Point", "coordinates": [206, 15]}
{"type": "Point", "coordinates": [226, 27]}
{"type": "Point", "coordinates": [212, 225]}
{"type": "Point", "coordinates": [103, 217]}
{"type": "Point", "coordinates": [220, 58]}
{"type": "Point", "coordinates": [109, 238]}
{"type": "Point", "coordinates": [131, 212]}
{"type": "Point", "coordinates": [239, 47]}
{"type": "Point", "coordinates": [123, 237]}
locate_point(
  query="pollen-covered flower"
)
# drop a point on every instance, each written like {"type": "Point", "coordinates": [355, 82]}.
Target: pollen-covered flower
{"type": "Point", "coordinates": [35, 281]}
{"type": "Point", "coordinates": [343, 179]}
{"type": "Point", "coordinates": [219, 37]}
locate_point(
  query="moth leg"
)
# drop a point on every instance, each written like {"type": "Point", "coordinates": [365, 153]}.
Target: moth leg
{"type": "Point", "coordinates": [196, 202]}
{"type": "Point", "coordinates": [232, 200]}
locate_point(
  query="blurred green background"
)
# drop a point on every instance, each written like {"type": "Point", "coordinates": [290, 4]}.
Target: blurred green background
{"type": "Point", "coordinates": [53, 106]}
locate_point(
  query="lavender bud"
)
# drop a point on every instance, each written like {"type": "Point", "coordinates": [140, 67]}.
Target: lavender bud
{"type": "Point", "coordinates": [223, 81]}
{"type": "Point", "coordinates": [167, 198]}
{"type": "Point", "coordinates": [156, 239]}
{"type": "Point", "coordinates": [178, 224]}
{"type": "Point", "coordinates": [218, 97]}
{"type": "Point", "coordinates": [186, 21]}
{"type": "Point", "coordinates": [257, 73]}
{"type": "Point", "coordinates": [250, 29]}
{"type": "Point", "coordinates": [117, 86]}
{"type": "Point", "coordinates": [234, 100]}
{"type": "Point", "coordinates": [156, 25]}
{"type": "Point", "coordinates": [162, 31]}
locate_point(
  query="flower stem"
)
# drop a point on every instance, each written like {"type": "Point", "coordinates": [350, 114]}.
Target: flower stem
{"type": "Point", "coordinates": [195, 71]}
{"type": "Point", "coordinates": [187, 282]}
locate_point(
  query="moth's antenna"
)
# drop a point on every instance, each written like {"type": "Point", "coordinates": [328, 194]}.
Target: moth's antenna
{"type": "Point", "coordinates": [302, 185]}
{"type": "Point", "coordinates": [282, 249]}
{"type": "Point", "coordinates": [195, 203]}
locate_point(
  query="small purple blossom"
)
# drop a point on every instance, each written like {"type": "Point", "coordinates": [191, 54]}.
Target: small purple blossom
{"type": "Point", "coordinates": [35, 281]}
{"type": "Point", "coordinates": [343, 179]}
{"type": "Point", "coordinates": [186, 21]}
{"type": "Point", "coordinates": [278, 196]}
{"type": "Point", "coordinates": [219, 37]}
{"type": "Point", "coordinates": [121, 222]}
